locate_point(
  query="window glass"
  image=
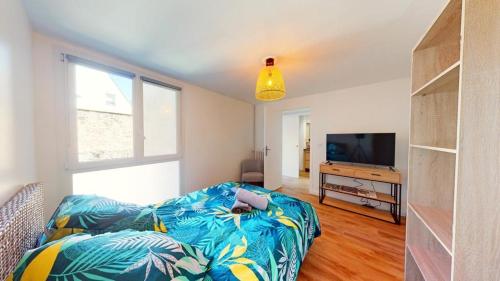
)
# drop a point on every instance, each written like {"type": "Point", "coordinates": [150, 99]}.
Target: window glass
{"type": "Point", "coordinates": [104, 120]}
{"type": "Point", "coordinates": [146, 184]}
{"type": "Point", "coordinates": [160, 120]}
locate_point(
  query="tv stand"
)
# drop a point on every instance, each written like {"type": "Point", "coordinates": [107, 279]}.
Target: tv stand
{"type": "Point", "coordinates": [392, 177]}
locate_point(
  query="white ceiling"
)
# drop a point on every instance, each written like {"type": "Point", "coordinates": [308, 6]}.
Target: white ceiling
{"type": "Point", "coordinates": [320, 45]}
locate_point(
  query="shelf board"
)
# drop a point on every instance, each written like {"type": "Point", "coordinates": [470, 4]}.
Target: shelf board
{"type": "Point", "coordinates": [432, 267]}
{"type": "Point", "coordinates": [441, 149]}
{"type": "Point", "coordinates": [439, 47]}
{"type": "Point", "coordinates": [449, 74]}
{"type": "Point", "coordinates": [359, 209]}
{"type": "Point", "coordinates": [382, 197]}
{"type": "Point", "coordinates": [438, 221]}
{"type": "Point", "coordinates": [441, 24]}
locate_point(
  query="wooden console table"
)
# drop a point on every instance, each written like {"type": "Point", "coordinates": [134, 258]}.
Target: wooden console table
{"type": "Point", "coordinates": [392, 177]}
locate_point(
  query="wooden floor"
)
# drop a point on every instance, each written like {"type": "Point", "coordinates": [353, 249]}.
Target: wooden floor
{"type": "Point", "coordinates": [351, 246]}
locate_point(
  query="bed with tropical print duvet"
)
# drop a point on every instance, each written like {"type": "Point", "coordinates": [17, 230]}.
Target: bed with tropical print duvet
{"type": "Point", "coordinates": [211, 242]}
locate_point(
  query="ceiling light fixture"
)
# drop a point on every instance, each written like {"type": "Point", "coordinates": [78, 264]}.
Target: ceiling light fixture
{"type": "Point", "coordinates": [270, 83]}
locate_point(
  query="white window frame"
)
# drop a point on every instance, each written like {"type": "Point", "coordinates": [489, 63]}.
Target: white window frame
{"type": "Point", "coordinates": [138, 158]}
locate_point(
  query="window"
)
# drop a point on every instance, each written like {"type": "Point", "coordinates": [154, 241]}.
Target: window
{"type": "Point", "coordinates": [117, 117]}
{"type": "Point", "coordinates": [104, 120]}
{"type": "Point", "coordinates": [123, 128]}
{"type": "Point", "coordinates": [160, 119]}
{"type": "Point", "coordinates": [157, 182]}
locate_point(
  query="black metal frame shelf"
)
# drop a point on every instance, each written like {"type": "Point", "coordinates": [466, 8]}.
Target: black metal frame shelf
{"type": "Point", "coordinates": [395, 205]}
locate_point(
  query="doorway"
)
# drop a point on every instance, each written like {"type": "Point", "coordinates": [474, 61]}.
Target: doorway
{"type": "Point", "coordinates": [296, 149]}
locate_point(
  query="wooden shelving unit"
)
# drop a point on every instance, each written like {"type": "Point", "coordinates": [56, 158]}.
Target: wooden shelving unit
{"type": "Point", "coordinates": [453, 192]}
{"type": "Point", "coordinates": [433, 147]}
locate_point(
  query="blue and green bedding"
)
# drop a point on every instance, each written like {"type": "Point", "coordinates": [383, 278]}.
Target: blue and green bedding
{"type": "Point", "coordinates": [259, 245]}
{"type": "Point", "coordinates": [96, 215]}
{"type": "Point", "coordinates": [124, 255]}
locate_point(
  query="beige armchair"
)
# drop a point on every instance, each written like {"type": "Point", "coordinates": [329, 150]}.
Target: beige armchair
{"type": "Point", "coordinates": [252, 171]}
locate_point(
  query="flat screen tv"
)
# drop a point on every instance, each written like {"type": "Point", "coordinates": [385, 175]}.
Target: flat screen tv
{"type": "Point", "coordinates": [374, 149]}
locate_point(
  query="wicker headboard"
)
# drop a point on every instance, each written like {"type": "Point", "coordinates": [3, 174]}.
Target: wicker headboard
{"type": "Point", "coordinates": [21, 222]}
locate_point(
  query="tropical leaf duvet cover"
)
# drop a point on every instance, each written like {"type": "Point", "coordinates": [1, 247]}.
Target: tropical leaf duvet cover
{"type": "Point", "coordinates": [203, 240]}
{"type": "Point", "coordinates": [124, 255]}
{"type": "Point", "coordinates": [259, 245]}
{"type": "Point", "coordinates": [96, 215]}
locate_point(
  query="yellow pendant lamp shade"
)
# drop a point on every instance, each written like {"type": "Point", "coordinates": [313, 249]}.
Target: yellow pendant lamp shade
{"type": "Point", "coordinates": [270, 84]}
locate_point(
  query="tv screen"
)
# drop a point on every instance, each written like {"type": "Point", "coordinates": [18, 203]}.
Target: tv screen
{"type": "Point", "coordinates": [375, 149]}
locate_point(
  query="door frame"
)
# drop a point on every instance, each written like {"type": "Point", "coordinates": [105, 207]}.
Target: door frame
{"type": "Point", "coordinates": [273, 126]}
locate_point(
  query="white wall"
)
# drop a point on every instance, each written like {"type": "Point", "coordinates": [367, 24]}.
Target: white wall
{"type": "Point", "coordinates": [380, 107]}
{"type": "Point", "coordinates": [218, 134]}
{"type": "Point", "coordinates": [17, 164]}
{"type": "Point", "coordinates": [259, 133]}
{"type": "Point", "coordinates": [217, 130]}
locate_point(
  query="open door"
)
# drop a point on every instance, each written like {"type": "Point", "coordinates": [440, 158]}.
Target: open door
{"type": "Point", "coordinates": [272, 150]}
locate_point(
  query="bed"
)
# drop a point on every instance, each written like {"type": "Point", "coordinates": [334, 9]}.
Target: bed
{"type": "Point", "coordinates": [212, 243]}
